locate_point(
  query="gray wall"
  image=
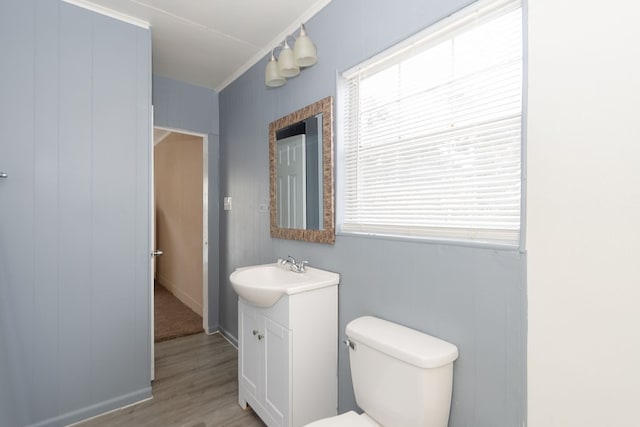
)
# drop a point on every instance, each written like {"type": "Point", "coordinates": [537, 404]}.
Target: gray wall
{"type": "Point", "coordinates": [74, 120]}
{"type": "Point", "coordinates": [473, 297]}
{"type": "Point", "coordinates": [183, 106]}
{"type": "Point", "coordinates": [9, 391]}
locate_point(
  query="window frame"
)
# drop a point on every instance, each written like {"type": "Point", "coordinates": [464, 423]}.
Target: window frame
{"type": "Point", "coordinates": [463, 16]}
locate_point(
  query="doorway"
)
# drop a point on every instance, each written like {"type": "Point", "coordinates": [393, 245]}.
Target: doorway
{"type": "Point", "coordinates": [180, 232]}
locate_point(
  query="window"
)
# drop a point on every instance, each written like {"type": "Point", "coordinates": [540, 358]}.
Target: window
{"type": "Point", "coordinates": [431, 137]}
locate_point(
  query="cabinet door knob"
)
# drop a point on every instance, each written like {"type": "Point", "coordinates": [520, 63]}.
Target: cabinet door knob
{"type": "Point", "coordinates": [260, 336]}
{"type": "Point", "coordinates": [254, 332]}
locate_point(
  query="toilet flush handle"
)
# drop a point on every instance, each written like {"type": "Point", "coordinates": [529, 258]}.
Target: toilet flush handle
{"type": "Point", "coordinates": [350, 344]}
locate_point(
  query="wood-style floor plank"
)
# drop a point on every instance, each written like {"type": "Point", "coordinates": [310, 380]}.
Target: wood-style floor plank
{"type": "Point", "coordinates": [196, 386]}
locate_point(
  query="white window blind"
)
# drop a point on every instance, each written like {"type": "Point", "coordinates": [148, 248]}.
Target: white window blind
{"type": "Point", "coordinates": [432, 132]}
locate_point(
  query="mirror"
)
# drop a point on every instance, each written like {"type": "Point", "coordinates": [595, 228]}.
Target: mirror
{"type": "Point", "coordinates": [301, 174]}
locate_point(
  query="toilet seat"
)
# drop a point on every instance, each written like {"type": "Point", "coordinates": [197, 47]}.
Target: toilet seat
{"type": "Point", "coordinates": [348, 419]}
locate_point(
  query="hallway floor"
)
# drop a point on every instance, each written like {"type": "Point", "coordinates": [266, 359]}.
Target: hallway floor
{"type": "Point", "coordinates": [172, 318]}
{"type": "Point", "coordinates": [196, 386]}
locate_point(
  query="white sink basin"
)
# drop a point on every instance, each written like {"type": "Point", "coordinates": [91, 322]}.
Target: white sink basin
{"type": "Point", "coordinates": [264, 285]}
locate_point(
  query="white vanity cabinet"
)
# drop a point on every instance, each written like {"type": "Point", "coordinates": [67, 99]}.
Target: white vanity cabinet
{"type": "Point", "coordinates": [287, 358]}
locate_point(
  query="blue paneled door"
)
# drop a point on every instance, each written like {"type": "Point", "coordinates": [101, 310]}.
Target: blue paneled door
{"type": "Point", "coordinates": [74, 209]}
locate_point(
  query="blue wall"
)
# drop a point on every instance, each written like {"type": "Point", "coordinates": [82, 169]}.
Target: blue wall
{"type": "Point", "coordinates": [473, 297]}
{"type": "Point", "coordinates": [184, 106]}
{"type": "Point", "coordinates": [74, 213]}
{"type": "Point", "coordinates": [179, 105]}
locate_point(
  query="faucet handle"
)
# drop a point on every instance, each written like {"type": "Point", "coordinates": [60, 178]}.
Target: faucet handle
{"type": "Point", "coordinates": [302, 265]}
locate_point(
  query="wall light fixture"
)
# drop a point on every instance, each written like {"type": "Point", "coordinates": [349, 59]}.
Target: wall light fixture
{"type": "Point", "coordinates": [290, 61]}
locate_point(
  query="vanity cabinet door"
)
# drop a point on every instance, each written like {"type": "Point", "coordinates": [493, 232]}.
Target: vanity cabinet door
{"type": "Point", "coordinates": [287, 350]}
{"type": "Point", "coordinates": [251, 352]}
{"type": "Point", "coordinates": [277, 372]}
{"type": "Point", "coordinates": [264, 365]}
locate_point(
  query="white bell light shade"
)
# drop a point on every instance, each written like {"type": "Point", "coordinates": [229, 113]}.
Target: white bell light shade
{"type": "Point", "coordinates": [272, 77]}
{"type": "Point", "coordinates": [304, 51]}
{"type": "Point", "coordinates": [287, 66]}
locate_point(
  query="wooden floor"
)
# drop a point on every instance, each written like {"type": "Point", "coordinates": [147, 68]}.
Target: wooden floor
{"type": "Point", "coordinates": [196, 386]}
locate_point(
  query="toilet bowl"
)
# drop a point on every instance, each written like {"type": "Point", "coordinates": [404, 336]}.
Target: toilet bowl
{"type": "Point", "coordinates": [348, 419]}
{"type": "Point", "coordinates": [401, 377]}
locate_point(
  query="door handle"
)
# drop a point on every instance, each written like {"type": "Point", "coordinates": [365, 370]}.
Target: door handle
{"type": "Point", "coordinates": [4, 175]}
{"type": "Point", "coordinates": [156, 252]}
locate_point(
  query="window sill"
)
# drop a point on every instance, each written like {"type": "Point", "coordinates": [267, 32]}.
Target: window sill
{"type": "Point", "coordinates": [435, 241]}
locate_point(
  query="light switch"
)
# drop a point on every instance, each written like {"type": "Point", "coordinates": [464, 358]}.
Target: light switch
{"type": "Point", "coordinates": [227, 203]}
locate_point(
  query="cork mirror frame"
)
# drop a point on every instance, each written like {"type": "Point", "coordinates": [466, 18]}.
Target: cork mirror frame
{"type": "Point", "coordinates": [326, 234]}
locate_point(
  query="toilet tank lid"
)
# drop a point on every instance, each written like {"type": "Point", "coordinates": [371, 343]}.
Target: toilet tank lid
{"type": "Point", "coordinates": [403, 343]}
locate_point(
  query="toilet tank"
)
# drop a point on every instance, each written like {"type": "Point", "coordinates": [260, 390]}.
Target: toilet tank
{"type": "Point", "coordinates": [401, 377]}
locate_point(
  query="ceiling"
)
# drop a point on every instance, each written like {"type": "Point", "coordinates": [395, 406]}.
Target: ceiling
{"type": "Point", "coordinates": [211, 42]}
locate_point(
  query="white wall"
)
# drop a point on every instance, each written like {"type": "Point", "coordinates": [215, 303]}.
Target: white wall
{"type": "Point", "coordinates": [583, 213]}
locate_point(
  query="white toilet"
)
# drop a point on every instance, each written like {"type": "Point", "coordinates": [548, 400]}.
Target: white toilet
{"type": "Point", "coordinates": [401, 377]}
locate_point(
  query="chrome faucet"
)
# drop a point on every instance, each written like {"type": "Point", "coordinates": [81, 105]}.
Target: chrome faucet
{"type": "Point", "coordinates": [288, 260]}
{"type": "Point", "coordinates": [296, 267]}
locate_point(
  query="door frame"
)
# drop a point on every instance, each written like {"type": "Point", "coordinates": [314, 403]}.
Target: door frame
{"type": "Point", "coordinates": [205, 221]}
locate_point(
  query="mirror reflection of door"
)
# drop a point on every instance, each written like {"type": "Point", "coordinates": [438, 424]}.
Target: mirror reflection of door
{"type": "Point", "coordinates": [299, 213]}
{"type": "Point", "coordinates": [291, 182]}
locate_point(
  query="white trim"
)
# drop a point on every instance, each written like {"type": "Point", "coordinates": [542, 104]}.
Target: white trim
{"type": "Point", "coordinates": [205, 233]}
{"type": "Point", "coordinates": [186, 132]}
{"type": "Point", "coordinates": [308, 14]}
{"type": "Point", "coordinates": [165, 133]}
{"type": "Point", "coordinates": [433, 240]}
{"type": "Point", "coordinates": [152, 247]}
{"type": "Point", "coordinates": [109, 12]}
{"type": "Point", "coordinates": [525, 126]}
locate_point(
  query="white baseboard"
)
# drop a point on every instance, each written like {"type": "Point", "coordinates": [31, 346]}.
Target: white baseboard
{"type": "Point", "coordinates": [180, 294]}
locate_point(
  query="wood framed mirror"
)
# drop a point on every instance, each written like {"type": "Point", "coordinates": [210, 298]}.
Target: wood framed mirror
{"type": "Point", "coordinates": [301, 174]}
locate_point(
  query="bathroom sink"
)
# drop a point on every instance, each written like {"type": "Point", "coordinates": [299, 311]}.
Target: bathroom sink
{"type": "Point", "coordinates": [263, 285]}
